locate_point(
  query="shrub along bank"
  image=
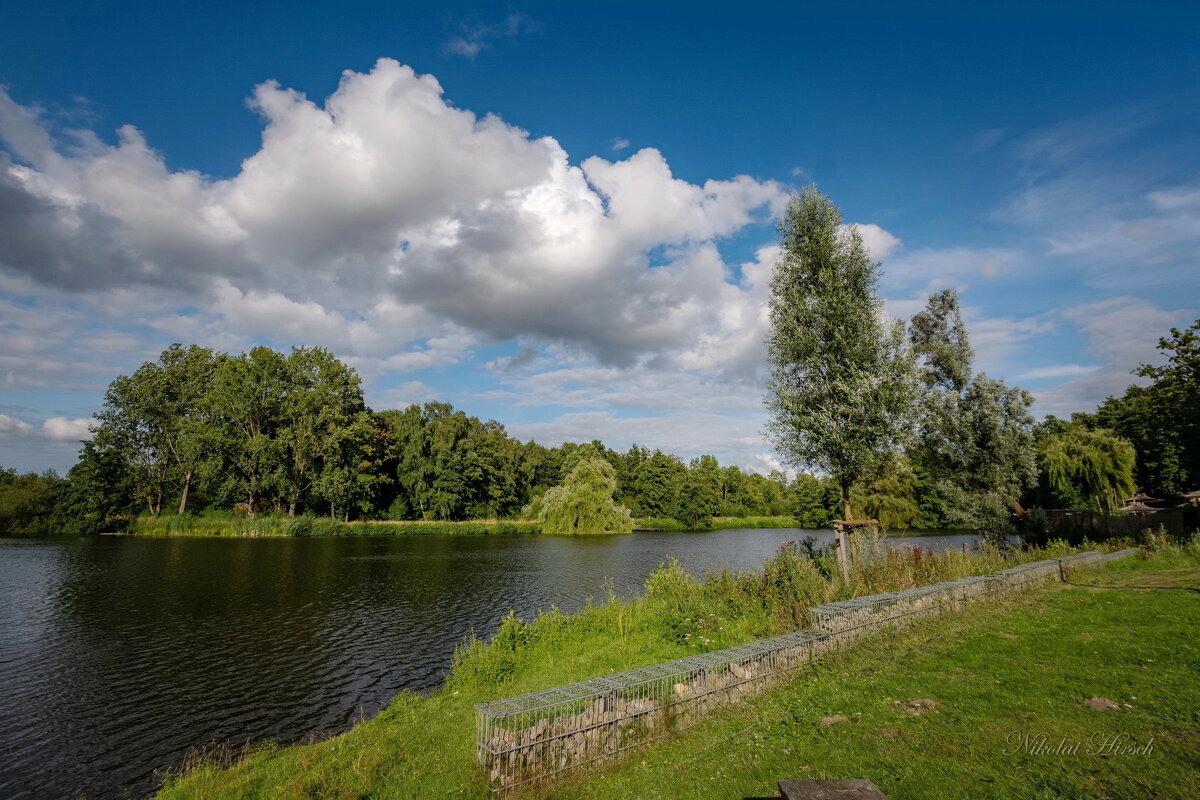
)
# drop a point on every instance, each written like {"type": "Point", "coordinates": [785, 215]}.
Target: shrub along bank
{"type": "Point", "coordinates": [424, 746]}
{"type": "Point", "coordinates": [307, 525]}
{"type": "Point", "coordinates": [266, 525]}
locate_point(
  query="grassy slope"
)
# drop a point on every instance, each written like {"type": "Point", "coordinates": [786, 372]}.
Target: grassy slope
{"type": "Point", "coordinates": [996, 677]}
{"type": "Point", "coordinates": [992, 670]}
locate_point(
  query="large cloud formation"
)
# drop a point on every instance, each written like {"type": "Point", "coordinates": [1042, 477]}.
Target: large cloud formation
{"type": "Point", "coordinates": [407, 234]}
{"type": "Point", "coordinates": [388, 217]}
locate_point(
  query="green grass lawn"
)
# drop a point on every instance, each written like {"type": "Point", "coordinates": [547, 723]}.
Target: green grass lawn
{"type": "Point", "coordinates": [1007, 688]}
{"type": "Point", "coordinates": [997, 676]}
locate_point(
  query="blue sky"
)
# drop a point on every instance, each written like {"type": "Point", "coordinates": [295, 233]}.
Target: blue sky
{"type": "Point", "coordinates": [560, 217]}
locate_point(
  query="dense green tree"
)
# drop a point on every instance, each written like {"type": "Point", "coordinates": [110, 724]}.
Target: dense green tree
{"type": "Point", "coordinates": [322, 428]}
{"type": "Point", "coordinates": [98, 495]}
{"type": "Point", "coordinates": [840, 388]}
{"type": "Point", "coordinates": [888, 493]}
{"type": "Point", "coordinates": [584, 504]}
{"type": "Point", "coordinates": [975, 434]}
{"type": "Point", "coordinates": [978, 446]}
{"type": "Point", "coordinates": [1162, 420]}
{"type": "Point", "coordinates": [27, 502]}
{"type": "Point", "coordinates": [157, 417]}
{"type": "Point", "coordinates": [931, 503]}
{"type": "Point", "coordinates": [655, 485]}
{"type": "Point", "coordinates": [247, 398]}
{"type": "Point", "coordinates": [940, 341]}
{"type": "Point", "coordinates": [291, 432]}
{"type": "Point", "coordinates": [698, 493]}
{"type": "Point", "coordinates": [452, 466]}
{"type": "Point", "coordinates": [817, 501]}
{"type": "Point", "coordinates": [1084, 468]}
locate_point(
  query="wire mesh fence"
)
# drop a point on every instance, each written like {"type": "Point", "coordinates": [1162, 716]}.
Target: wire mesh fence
{"type": "Point", "coordinates": [541, 734]}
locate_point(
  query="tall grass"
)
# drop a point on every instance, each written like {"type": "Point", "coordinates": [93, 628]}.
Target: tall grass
{"type": "Point", "coordinates": [267, 525]}
{"type": "Point", "coordinates": [222, 523]}
{"type": "Point", "coordinates": [681, 614]}
{"type": "Point", "coordinates": [779, 521]}
{"type": "Point", "coordinates": [716, 524]}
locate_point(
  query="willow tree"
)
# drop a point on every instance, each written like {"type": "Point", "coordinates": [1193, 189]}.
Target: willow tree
{"type": "Point", "coordinates": [584, 503]}
{"type": "Point", "coordinates": [1092, 468]}
{"type": "Point", "coordinates": [841, 385]}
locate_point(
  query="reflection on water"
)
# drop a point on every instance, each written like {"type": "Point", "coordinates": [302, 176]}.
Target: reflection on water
{"type": "Point", "coordinates": [118, 655]}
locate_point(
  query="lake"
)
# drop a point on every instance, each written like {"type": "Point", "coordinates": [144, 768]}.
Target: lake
{"type": "Point", "coordinates": [118, 655]}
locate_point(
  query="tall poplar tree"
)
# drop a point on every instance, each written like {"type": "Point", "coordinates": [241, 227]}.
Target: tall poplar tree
{"type": "Point", "coordinates": [841, 385]}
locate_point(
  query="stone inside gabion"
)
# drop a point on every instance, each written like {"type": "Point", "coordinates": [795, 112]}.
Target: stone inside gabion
{"type": "Point", "coordinates": [540, 734]}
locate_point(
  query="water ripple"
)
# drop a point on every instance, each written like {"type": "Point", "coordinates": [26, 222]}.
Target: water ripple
{"type": "Point", "coordinates": [118, 656]}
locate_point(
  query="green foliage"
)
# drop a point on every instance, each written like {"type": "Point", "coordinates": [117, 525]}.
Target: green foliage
{"type": "Point", "coordinates": [888, 493]}
{"type": "Point", "coordinates": [939, 340]}
{"type": "Point", "coordinates": [699, 494]}
{"type": "Point", "coordinates": [584, 504]}
{"type": "Point", "coordinates": [27, 502]}
{"type": "Point", "coordinates": [451, 466]}
{"type": "Point", "coordinates": [98, 495]}
{"type": "Point", "coordinates": [1162, 420]}
{"type": "Point", "coordinates": [817, 501]}
{"type": "Point", "coordinates": [1082, 468]}
{"type": "Point", "coordinates": [978, 445]}
{"type": "Point", "coordinates": [156, 419]}
{"type": "Point", "coordinates": [269, 433]}
{"type": "Point", "coordinates": [289, 434]}
{"type": "Point", "coordinates": [975, 453]}
{"type": "Point", "coordinates": [727, 523]}
{"type": "Point", "coordinates": [841, 386]}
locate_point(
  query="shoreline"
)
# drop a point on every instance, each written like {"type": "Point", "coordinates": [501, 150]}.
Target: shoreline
{"type": "Point", "coordinates": [269, 526]}
{"type": "Point", "coordinates": [278, 528]}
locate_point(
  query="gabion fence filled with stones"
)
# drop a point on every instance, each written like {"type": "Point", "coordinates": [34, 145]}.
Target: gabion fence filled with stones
{"type": "Point", "coordinates": [541, 734]}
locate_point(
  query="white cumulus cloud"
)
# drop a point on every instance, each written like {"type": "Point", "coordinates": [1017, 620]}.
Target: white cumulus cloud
{"type": "Point", "coordinates": [387, 207]}
{"type": "Point", "coordinates": [11, 426]}
{"type": "Point", "coordinates": [67, 430]}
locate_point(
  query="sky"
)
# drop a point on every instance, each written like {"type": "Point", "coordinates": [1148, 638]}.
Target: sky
{"type": "Point", "coordinates": [561, 215]}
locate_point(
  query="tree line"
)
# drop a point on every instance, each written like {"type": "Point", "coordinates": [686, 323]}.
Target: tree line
{"type": "Point", "coordinates": [198, 431]}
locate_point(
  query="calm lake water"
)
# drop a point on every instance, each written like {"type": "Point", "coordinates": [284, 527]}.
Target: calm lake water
{"type": "Point", "coordinates": [119, 655]}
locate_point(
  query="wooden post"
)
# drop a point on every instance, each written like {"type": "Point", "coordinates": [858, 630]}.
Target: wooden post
{"type": "Point", "coordinates": [843, 550]}
{"type": "Point", "coordinates": [844, 529]}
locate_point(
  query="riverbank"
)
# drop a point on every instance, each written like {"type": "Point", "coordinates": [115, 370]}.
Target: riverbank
{"type": "Point", "coordinates": [1084, 690]}
{"type": "Point", "coordinates": [267, 525]}
{"type": "Point", "coordinates": [424, 746]}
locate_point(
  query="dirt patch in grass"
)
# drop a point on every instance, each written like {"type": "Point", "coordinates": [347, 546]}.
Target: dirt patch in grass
{"type": "Point", "coordinates": [1101, 704]}
{"type": "Point", "coordinates": [917, 707]}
